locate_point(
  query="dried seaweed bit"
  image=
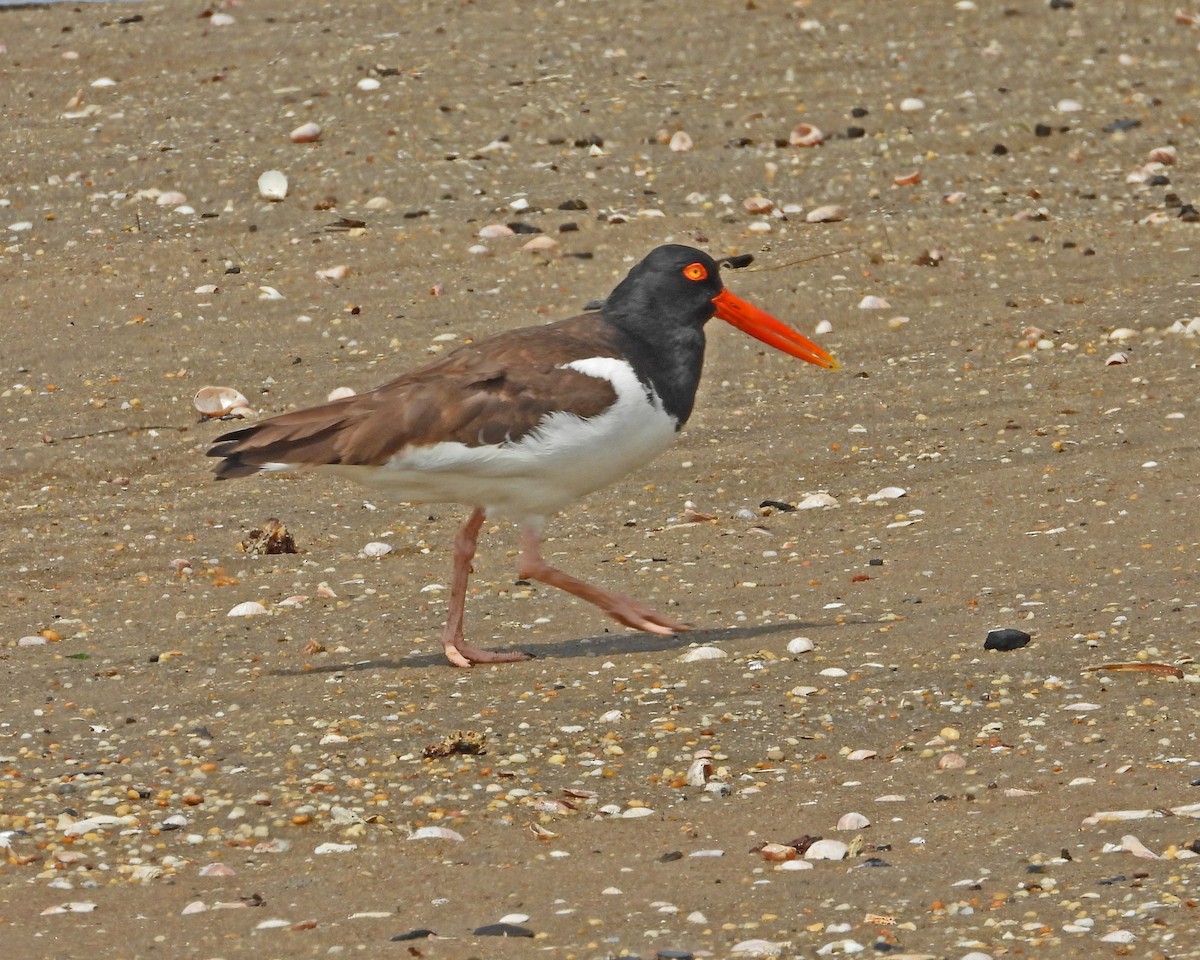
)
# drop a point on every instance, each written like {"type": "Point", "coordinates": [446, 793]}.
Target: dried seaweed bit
{"type": "Point", "coordinates": [460, 741]}
{"type": "Point", "coordinates": [345, 223]}
{"type": "Point", "coordinates": [271, 538]}
{"type": "Point", "coordinates": [781, 505]}
{"type": "Point", "coordinates": [420, 934]}
{"type": "Point", "coordinates": [1006, 638]}
{"type": "Point", "coordinates": [503, 930]}
{"type": "Point", "coordinates": [1165, 669]}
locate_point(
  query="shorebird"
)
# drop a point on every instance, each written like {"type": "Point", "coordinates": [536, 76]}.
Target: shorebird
{"type": "Point", "coordinates": [522, 423]}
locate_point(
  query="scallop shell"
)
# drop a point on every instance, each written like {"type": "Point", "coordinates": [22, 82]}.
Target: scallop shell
{"type": "Point", "coordinates": [218, 401]}
{"type": "Point", "coordinates": [273, 185]}
{"type": "Point", "coordinates": [703, 653]}
{"type": "Point", "coordinates": [852, 821]}
{"type": "Point", "coordinates": [798, 645]}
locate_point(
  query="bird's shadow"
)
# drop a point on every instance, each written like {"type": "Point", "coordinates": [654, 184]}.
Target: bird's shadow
{"type": "Point", "coordinates": [602, 645]}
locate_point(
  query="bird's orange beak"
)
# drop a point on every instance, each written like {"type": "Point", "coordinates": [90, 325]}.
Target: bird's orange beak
{"type": "Point", "coordinates": [774, 333]}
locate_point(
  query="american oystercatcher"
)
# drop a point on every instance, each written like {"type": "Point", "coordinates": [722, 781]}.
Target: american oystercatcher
{"type": "Point", "coordinates": [521, 423]}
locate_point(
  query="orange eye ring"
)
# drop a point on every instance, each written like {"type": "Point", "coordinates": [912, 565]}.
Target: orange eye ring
{"type": "Point", "coordinates": [696, 271]}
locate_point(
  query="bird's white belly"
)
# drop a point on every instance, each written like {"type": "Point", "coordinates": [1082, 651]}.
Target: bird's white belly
{"type": "Point", "coordinates": [563, 458]}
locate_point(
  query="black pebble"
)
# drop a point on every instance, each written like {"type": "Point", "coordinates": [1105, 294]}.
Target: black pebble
{"type": "Point", "coordinates": [1041, 130]}
{"type": "Point", "coordinates": [999, 150]}
{"type": "Point", "coordinates": [421, 934]}
{"type": "Point", "coordinates": [874, 862]}
{"type": "Point", "coordinates": [518, 227]}
{"type": "Point", "coordinates": [671, 857]}
{"type": "Point", "coordinates": [859, 112]}
{"type": "Point", "coordinates": [875, 562]}
{"type": "Point", "coordinates": [855, 133]}
{"type": "Point", "coordinates": [1117, 126]}
{"type": "Point", "coordinates": [572, 205]}
{"type": "Point", "coordinates": [780, 505]}
{"type": "Point", "coordinates": [1006, 638]}
{"type": "Point", "coordinates": [503, 930]}
{"type": "Point", "coordinates": [674, 955]}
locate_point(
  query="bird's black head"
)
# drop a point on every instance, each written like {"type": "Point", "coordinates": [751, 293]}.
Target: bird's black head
{"type": "Point", "coordinates": [673, 286]}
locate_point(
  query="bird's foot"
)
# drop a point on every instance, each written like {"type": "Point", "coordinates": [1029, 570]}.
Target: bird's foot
{"type": "Point", "coordinates": [463, 654]}
{"type": "Point", "coordinates": [635, 614]}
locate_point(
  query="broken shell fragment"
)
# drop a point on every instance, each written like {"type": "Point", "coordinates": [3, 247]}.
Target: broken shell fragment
{"type": "Point", "coordinates": [907, 179]}
{"type": "Point", "coordinates": [872, 302]}
{"type": "Point", "coordinates": [806, 135]}
{"type": "Point", "coordinates": [340, 393]}
{"type": "Point", "coordinates": [273, 185]}
{"type": "Point", "coordinates": [306, 133]}
{"type": "Point", "coordinates": [1116, 359]}
{"type": "Point", "coordinates": [219, 402]}
{"type": "Point", "coordinates": [340, 272]}
{"type": "Point", "coordinates": [435, 833]}
{"type": "Point", "coordinates": [827, 850]}
{"type": "Point", "coordinates": [1163, 155]}
{"type": "Point", "coordinates": [542, 246]}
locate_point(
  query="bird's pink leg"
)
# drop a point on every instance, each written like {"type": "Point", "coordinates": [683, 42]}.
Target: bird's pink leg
{"type": "Point", "coordinates": [458, 651]}
{"type": "Point", "coordinates": [624, 609]}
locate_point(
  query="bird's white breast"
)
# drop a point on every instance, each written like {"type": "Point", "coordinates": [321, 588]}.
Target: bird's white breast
{"type": "Point", "coordinates": [562, 458]}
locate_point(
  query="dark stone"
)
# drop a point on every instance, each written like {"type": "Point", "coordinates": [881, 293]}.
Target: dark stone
{"type": "Point", "coordinates": [518, 227]}
{"type": "Point", "coordinates": [674, 955]}
{"type": "Point", "coordinates": [859, 112]}
{"type": "Point", "coordinates": [575, 204]}
{"type": "Point", "coordinates": [780, 505]}
{"type": "Point", "coordinates": [1041, 130]}
{"type": "Point", "coordinates": [421, 934]}
{"type": "Point", "coordinates": [999, 150]}
{"type": "Point", "coordinates": [855, 133]}
{"type": "Point", "coordinates": [671, 857]}
{"type": "Point", "coordinates": [1006, 638]}
{"type": "Point", "coordinates": [502, 930]}
{"type": "Point", "coordinates": [1119, 126]}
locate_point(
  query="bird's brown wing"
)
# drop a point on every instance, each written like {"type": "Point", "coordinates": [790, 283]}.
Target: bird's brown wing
{"type": "Point", "coordinates": [483, 393]}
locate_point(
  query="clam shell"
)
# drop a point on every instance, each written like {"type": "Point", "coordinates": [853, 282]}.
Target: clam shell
{"type": "Point", "coordinates": [703, 653]}
{"type": "Point", "coordinates": [830, 213]}
{"type": "Point", "coordinates": [852, 821]}
{"type": "Point", "coordinates": [248, 608]}
{"type": "Point", "coordinates": [799, 645]}
{"type": "Point", "coordinates": [340, 393]}
{"type": "Point", "coordinates": [218, 401]}
{"type": "Point", "coordinates": [306, 133]}
{"type": "Point", "coordinates": [435, 833]}
{"type": "Point", "coordinates": [681, 142]}
{"type": "Point", "coordinates": [827, 850]}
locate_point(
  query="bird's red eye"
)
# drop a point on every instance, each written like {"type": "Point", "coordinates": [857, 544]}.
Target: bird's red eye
{"type": "Point", "coordinates": [696, 271]}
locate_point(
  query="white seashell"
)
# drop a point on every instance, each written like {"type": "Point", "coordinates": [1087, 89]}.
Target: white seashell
{"type": "Point", "coordinates": [104, 82]}
{"type": "Point", "coordinates": [806, 135]}
{"type": "Point", "coordinates": [170, 198]}
{"type": "Point", "coordinates": [1115, 816]}
{"type": "Point", "coordinates": [340, 393]}
{"type": "Point", "coordinates": [75, 906]}
{"type": "Point", "coordinates": [493, 230]}
{"type": "Point", "coordinates": [376, 549]}
{"type": "Point", "coordinates": [954, 198]}
{"type": "Point", "coordinates": [830, 213]}
{"type": "Point", "coordinates": [757, 948]}
{"type": "Point", "coordinates": [707, 853]}
{"type": "Point", "coordinates": [221, 20]}
{"type": "Point", "coordinates": [799, 645]}
{"type": "Point", "coordinates": [681, 142]}
{"type": "Point", "coordinates": [791, 865]}
{"type": "Point", "coordinates": [1119, 936]}
{"type": "Point", "coordinates": [823, 326]}
{"type": "Point", "coordinates": [99, 821]}
{"type": "Point", "coordinates": [514, 918]}
{"type": "Point", "coordinates": [815, 501]}
{"type": "Point", "coordinates": [888, 493]}
{"type": "Point", "coordinates": [1123, 333]}
{"type": "Point", "coordinates": [435, 833]}
{"type": "Point", "coordinates": [803, 691]}
{"type": "Point", "coordinates": [699, 771]}
{"type": "Point", "coordinates": [827, 850]}
{"type": "Point", "coordinates": [218, 401]}
{"type": "Point", "coordinates": [1116, 359]}
{"type": "Point", "coordinates": [852, 821]}
{"type": "Point", "coordinates": [871, 302]}
{"type": "Point", "coordinates": [206, 288]}
{"type": "Point", "coordinates": [1068, 106]}
{"type": "Point", "coordinates": [635, 813]}
{"type": "Point", "coordinates": [543, 246]}
{"type": "Point", "coordinates": [834, 672]}
{"type": "Point", "coordinates": [340, 272]}
{"type": "Point", "coordinates": [611, 716]}
{"type": "Point", "coordinates": [34, 640]}
{"type": "Point", "coordinates": [1131, 844]}
{"type": "Point", "coordinates": [911, 104]}
{"type": "Point", "coordinates": [250, 608]}
{"type": "Point", "coordinates": [861, 755]}
{"type": "Point", "coordinates": [146, 872]}
{"type": "Point", "coordinates": [703, 653]}
{"type": "Point", "coordinates": [196, 906]}
{"type": "Point", "coordinates": [270, 293]}
{"type": "Point", "coordinates": [217, 870]}
{"type": "Point", "coordinates": [368, 83]}
{"type": "Point", "coordinates": [306, 133]}
{"type": "Point", "coordinates": [609, 810]}
{"type": "Point", "coordinates": [1163, 155]}
{"type": "Point", "coordinates": [273, 185]}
